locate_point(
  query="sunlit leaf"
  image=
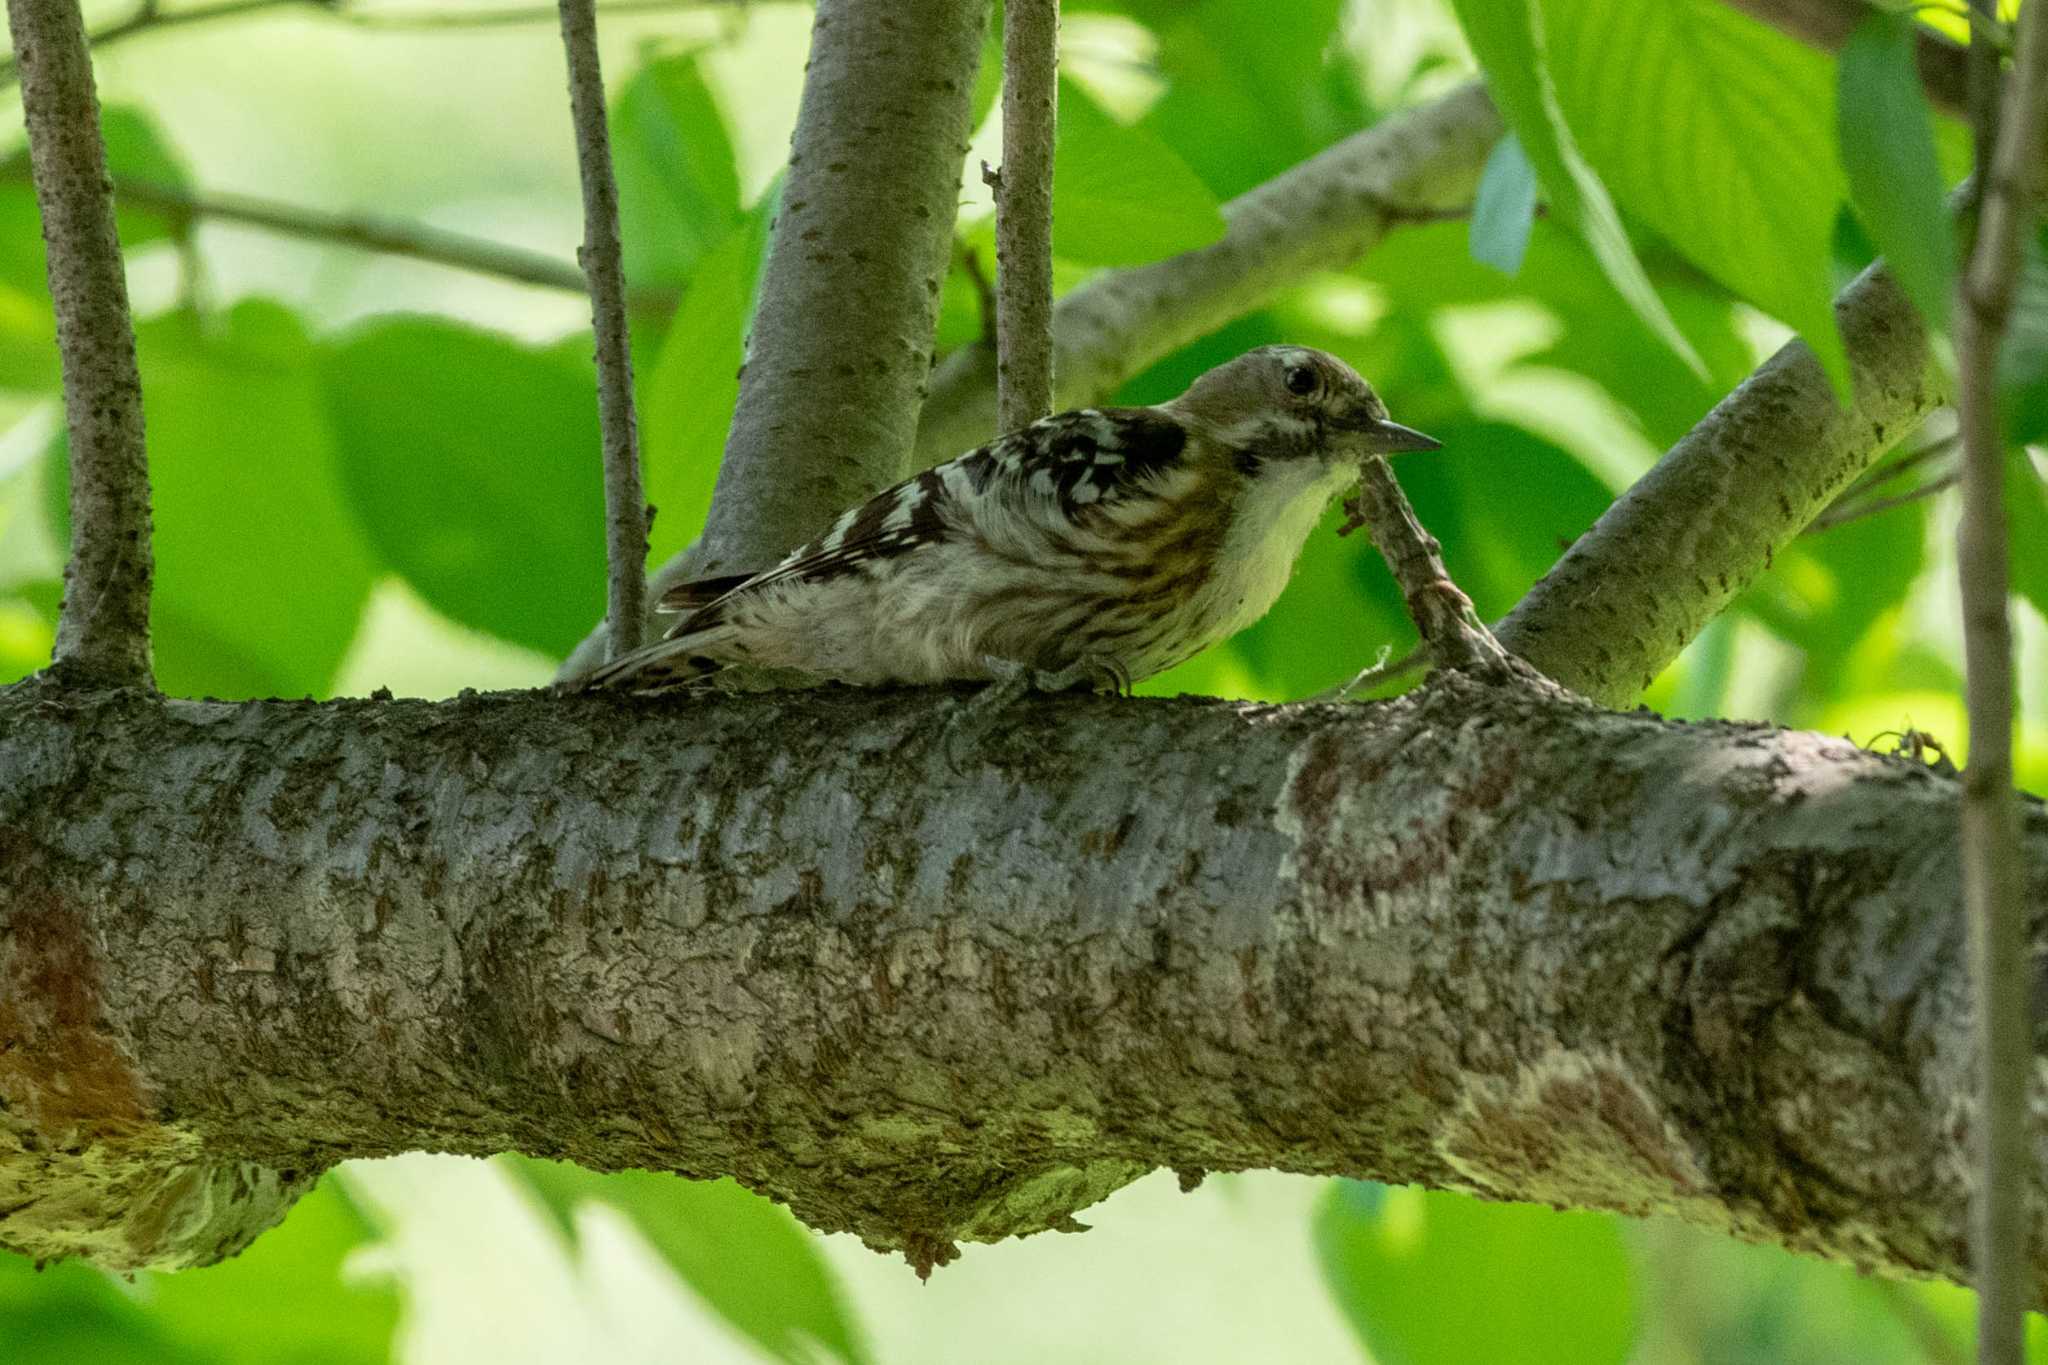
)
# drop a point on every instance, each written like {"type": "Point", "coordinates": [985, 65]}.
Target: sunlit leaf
{"type": "Point", "coordinates": [1887, 142]}
{"type": "Point", "coordinates": [1505, 209]}
{"type": "Point", "coordinates": [679, 192]}
{"type": "Point", "coordinates": [2023, 360]}
{"type": "Point", "coordinates": [1509, 38]}
{"type": "Point", "coordinates": [1430, 1277]}
{"type": "Point", "coordinates": [1120, 197]}
{"type": "Point", "coordinates": [747, 1258]}
{"type": "Point", "coordinates": [2026, 510]}
{"type": "Point", "coordinates": [1251, 89]}
{"type": "Point", "coordinates": [474, 465]}
{"type": "Point", "coordinates": [284, 1301]}
{"type": "Point", "coordinates": [691, 389]}
{"type": "Point", "coordinates": [1717, 132]}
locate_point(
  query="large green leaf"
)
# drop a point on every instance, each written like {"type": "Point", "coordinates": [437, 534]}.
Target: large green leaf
{"type": "Point", "coordinates": [2026, 504]}
{"type": "Point", "coordinates": [475, 467]}
{"type": "Point", "coordinates": [1717, 132]}
{"type": "Point", "coordinates": [1428, 1278]}
{"type": "Point", "coordinates": [1120, 197]}
{"type": "Point", "coordinates": [743, 1255]}
{"type": "Point", "coordinates": [282, 1302]}
{"type": "Point", "coordinates": [1510, 40]}
{"type": "Point", "coordinates": [679, 192]}
{"type": "Point", "coordinates": [1895, 181]}
{"type": "Point", "coordinates": [689, 392]}
{"type": "Point", "coordinates": [2023, 360]}
{"type": "Point", "coordinates": [136, 149]}
{"type": "Point", "coordinates": [261, 573]}
{"type": "Point", "coordinates": [1252, 89]}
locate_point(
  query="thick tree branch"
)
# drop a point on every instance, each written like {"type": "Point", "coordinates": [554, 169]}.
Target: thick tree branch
{"type": "Point", "coordinates": [1473, 937]}
{"type": "Point", "coordinates": [1024, 385]}
{"type": "Point", "coordinates": [625, 504]}
{"type": "Point", "coordinates": [1322, 214]}
{"type": "Point", "coordinates": [103, 631]}
{"type": "Point", "coordinates": [1699, 527]}
{"type": "Point", "coordinates": [1993, 876]}
{"type": "Point", "coordinates": [842, 339]}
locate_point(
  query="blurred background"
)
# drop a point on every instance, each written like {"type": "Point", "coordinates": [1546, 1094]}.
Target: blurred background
{"type": "Point", "coordinates": [378, 470]}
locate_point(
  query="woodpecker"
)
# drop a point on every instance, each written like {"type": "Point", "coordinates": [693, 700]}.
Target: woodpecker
{"type": "Point", "coordinates": [1096, 547]}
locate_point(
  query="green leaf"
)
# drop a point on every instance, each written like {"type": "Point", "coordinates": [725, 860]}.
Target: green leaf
{"type": "Point", "coordinates": [261, 574]}
{"type": "Point", "coordinates": [2023, 359]}
{"type": "Point", "coordinates": [679, 190]}
{"type": "Point", "coordinates": [285, 1300]}
{"type": "Point", "coordinates": [692, 387]}
{"type": "Point", "coordinates": [1717, 132]}
{"type": "Point", "coordinates": [1121, 197]}
{"type": "Point", "coordinates": [1429, 1277]}
{"type": "Point", "coordinates": [28, 618]}
{"type": "Point", "coordinates": [282, 1302]}
{"type": "Point", "coordinates": [1505, 209]}
{"type": "Point", "coordinates": [1251, 89]}
{"type": "Point", "coordinates": [1508, 36]}
{"type": "Point", "coordinates": [745, 1256]}
{"type": "Point", "coordinates": [475, 467]}
{"type": "Point", "coordinates": [1887, 142]}
{"type": "Point", "coordinates": [2026, 508]}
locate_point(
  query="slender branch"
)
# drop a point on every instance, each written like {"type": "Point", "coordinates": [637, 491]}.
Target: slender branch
{"type": "Point", "coordinates": [1993, 877]}
{"type": "Point", "coordinates": [841, 346]}
{"type": "Point", "coordinates": [154, 18]}
{"type": "Point", "coordinates": [389, 236]}
{"type": "Point", "coordinates": [1847, 510]}
{"type": "Point", "coordinates": [103, 630]}
{"type": "Point", "coordinates": [1451, 630]}
{"type": "Point", "coordinates": [1024, 384]}
{"type": "Point", "coordinates": [625, 503]}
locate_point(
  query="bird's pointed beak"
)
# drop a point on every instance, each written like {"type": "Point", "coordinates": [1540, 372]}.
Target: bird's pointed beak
{"type": "Point", "coordinates": [1378, 436]}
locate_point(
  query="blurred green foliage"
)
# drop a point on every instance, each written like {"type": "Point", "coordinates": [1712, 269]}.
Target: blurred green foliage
{"type": "Point", "coordinates": [358, 480]}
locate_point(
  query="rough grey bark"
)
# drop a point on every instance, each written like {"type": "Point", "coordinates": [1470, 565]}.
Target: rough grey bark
{"type": "Point", "coordinates": [1031, 71]}
{"type": "Point", "coordinates": [1482, 938]}
{"type": "Point", "coordinates": [1324, 213]}
{"type": "Point", "coordinates": [625, 504]}
{"type": "Point", "coordinates": [103, 630]}
{"type": "Point", "coordinates": [2009, 146]}
{"type": "Point", "coordinates": [1705, 521]}
{"type": "Point", "coordinates": [842, 338]}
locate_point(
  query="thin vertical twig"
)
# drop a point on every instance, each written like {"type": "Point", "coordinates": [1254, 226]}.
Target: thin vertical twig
{"type": "Point", "coordinates": [1992, 874]}
{"type": "Point", "coordinates": [103, 630]}
{"type": "Point", "coordinates": [625, 506]}
{"type": "Point", "coordinates": [1031, 37]}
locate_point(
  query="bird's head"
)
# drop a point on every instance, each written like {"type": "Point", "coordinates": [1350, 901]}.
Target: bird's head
{"type": "Point", "coordinates": [1281, 402]}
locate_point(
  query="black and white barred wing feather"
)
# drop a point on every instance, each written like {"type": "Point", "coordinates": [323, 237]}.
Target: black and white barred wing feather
{"type": "Point", "coordinates": [900, 588]}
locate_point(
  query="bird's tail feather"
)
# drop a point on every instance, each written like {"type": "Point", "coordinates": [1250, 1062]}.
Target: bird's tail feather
{"type": "Point", "coordinates": [651, 668]}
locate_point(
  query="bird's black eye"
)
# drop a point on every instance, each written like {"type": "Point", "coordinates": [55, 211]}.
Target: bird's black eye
{"type": "Point", "coordinates": [1300, 380]}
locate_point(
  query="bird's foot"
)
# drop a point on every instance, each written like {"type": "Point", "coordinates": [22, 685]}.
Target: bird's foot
{"type": "Point", "coordinates": [1011, 682]}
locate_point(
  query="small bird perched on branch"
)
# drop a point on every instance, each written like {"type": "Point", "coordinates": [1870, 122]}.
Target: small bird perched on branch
{"type": "Point", "coordinates": [1098, 546]}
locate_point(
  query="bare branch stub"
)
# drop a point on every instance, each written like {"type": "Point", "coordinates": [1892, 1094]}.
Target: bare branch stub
{"type": "Point", "coordinates": [1451, 630]}
{"type": "Point", "coordinates": [603, 265]}
{"type": "Point", "coordinates": [103, 630]}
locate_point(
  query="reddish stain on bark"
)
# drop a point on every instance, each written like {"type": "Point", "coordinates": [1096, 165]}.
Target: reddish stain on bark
{"type": "Point", "coordinates": [58, 1063]}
